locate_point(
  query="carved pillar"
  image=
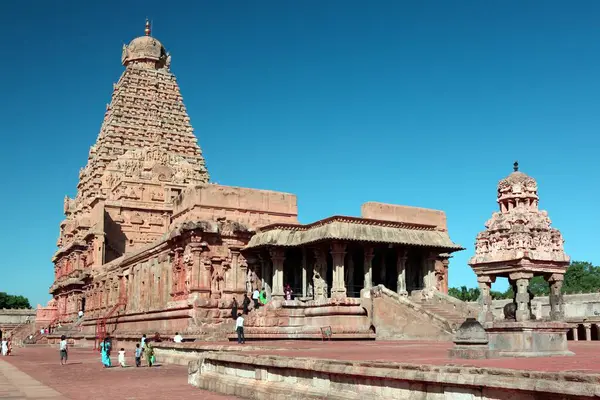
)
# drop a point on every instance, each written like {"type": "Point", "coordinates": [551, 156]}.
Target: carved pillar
{"type": "Point", "coordinates": [338, 254]}
{"type": "Point", "coordinates": [485, 297]}
{"type": "Point", "coordinates": [522, 297]}
{"type": "Point", "coordinates": [266, 272]}
{"type": "Point", "coordinates": [445, 264]}
{"type": "Point", "coordinates": [588, 332]}
{"type": "Point", "coordinates": [304, 280]}
{"type": "Point", "coordinates": [557, 312]}
{"type": "Point", "coordinates": [368, 268]}
{"type": "Point", "coordinates": [401, 272]}
{"type": "Point", "coordinates": [575, 333]}
{"type": "Point", "coordinates": [278, 257]}
{"type": "Point", "coordinates": [429, 274]}
{"type": "Point", "coordinates": [320, 289]}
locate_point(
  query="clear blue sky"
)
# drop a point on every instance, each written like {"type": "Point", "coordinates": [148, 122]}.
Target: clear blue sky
{"type": "Point", "coordinates": [341, 102]}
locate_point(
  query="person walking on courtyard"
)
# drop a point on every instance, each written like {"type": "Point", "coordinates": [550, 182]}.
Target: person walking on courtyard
{"type": "Point", "coordinates": [138, 355]}
{"type": "Point", "coordinates": [4, 347]}
{"type": "Point", "coordinates": [239, 328]}
{"type": "Point", "coordinates": [105, 351]}
{"type": "Point", "coordinates": [143, 341]}
{"type": "Point", "coordinates": [9, 345]}
{"type": "Point", "coordinates": [246, 304]}
{"type": "Point", "coordinates": [149, 352]}
{"type": "Point", "coordinates": [63, 349]}
{"type": "Point", "coordinates": [122, 357]}
{"type": "Point", "coordinates": [234, 309]}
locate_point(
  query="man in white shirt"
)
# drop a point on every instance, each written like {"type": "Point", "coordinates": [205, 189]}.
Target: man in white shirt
{"type": "Point", "coordinates": [178, 338]}
{"type": "Point", "coordinates": [255, 296]}
{"type": "Point", "coordinates": [80, 314]}
{"type": "Point", "coordinates": [239, 328]}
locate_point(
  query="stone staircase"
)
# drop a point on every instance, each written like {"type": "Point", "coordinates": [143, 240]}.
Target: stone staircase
{"type": "Point", "coordinates": [449, 308]}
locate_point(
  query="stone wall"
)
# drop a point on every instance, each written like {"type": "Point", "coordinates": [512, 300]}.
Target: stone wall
{"type": "Point", "coordinates": [15, 317]}
{"type": "Point", "coordinates": [577, 306]}
{"type": "Point", "coordinates": [406, 214]}
{"type": "Point", "coordinates": [252, 207]}
{"type": "Point", "coordinates": [267, 377]}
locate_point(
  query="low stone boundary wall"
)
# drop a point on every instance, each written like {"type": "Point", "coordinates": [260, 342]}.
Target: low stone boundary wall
{"type": "Point", "coordinates": [269, 377]}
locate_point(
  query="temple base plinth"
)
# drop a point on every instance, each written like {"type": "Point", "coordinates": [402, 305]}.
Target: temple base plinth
{"type": "Point", "coordinates": [528, 338]}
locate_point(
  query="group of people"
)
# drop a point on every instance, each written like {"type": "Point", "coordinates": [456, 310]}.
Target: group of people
{"type": "Point", "coordinates": [6, 346]}
{"type": "Point", "coordinates": [143, 348]}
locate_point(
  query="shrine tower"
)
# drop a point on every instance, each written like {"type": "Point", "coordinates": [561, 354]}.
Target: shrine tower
{"type": "Point", "coordinates": [520, 243]}
{"type": "Point", "coordinates": [145, 155]}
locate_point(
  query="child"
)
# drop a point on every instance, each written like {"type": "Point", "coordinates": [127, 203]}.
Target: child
{"type": "Point", "coordinates": [122, 357]}
{"type": "Point", "coordinates": [138, 355]}
{"type": "Point", "coordinates": [63, 350]}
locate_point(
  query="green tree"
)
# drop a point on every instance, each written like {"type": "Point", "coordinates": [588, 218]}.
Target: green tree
{"type": "Point", "coordinates": [464, 293]}
{"type": "Point", "coordinates": [12, 301]}
{"type": "Point", "coordinates": [581, 277]}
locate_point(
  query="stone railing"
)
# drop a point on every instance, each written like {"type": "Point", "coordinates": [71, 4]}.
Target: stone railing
{"type": "Point", "coordinates": [468, 309]}
{"type": "Point", "coordinates": [266, 377]}
{"type": "Point", "coordinates": [382, 290]}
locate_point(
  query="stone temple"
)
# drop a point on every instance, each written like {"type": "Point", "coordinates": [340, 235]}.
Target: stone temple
{"type": "Point", "coordinates": [150, 245]}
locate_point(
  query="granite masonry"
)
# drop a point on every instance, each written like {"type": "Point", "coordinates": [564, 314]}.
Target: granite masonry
{"type": "Point", "coordinates": [149, 245]}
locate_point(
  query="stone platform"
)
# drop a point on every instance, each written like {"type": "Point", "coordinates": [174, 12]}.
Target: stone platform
{"type": "Point", "coordinates": [528, 338]}
{"type": "Point", "coordinates": [386, 370]}
{"type": "Point", "coordinates": [398, 369]}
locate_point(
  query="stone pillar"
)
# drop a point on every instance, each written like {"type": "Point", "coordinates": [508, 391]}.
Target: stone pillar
{"type": "Point", "coordinates": [575, 333]}
{"type": "Point", "coordinates": [320, 288]}
{"type": "Point", "coordinates": [401, 272]}
{"type": "Point", "coordinates": [522, 297]}
{"type": "Point", "coordinates": [368, 268]}
{"type": "Point", "coordinates": [338, 253]}
{"type": "Point", "coordinates": [557, 311]}
{"type": "Point", "coordinates": [429, 285]}
{"type": "Point", "coordinates": [485, 297]}
{"type": "Point", "coordinates": [278, 257]}
{"type": "Point", "coordinates": [588, 332]}
{"type": "Point", "coordinates": [304, 278]}
{"type": "Point", "coordinates": [446, 264]}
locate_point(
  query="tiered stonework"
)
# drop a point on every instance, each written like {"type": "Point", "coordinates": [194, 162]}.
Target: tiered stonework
{"type": "Point", "coordinates": [149, 245]}
{"type": "Point", "coordinates": [518, 244]}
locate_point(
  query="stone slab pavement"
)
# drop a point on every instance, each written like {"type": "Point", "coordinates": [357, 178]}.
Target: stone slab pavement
{"type": "Point", "coordinates": [36, 373]}
{"type": "Point", "coordinates": [585, 360]}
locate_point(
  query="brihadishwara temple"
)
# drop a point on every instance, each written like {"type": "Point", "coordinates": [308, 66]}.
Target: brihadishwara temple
{"type": "Point", "coordinates": [149, 245]}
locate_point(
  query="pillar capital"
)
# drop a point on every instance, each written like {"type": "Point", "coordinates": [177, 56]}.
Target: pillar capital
{"type": "Point", "coordinates": [338, 248]}
{"type": "Point", "coordinates": [556, 278]}
{"type": "Point", "coordinates": [277, 254]}
{"type": "Point", "coordinates": [520, 275]}
{"type": "Point", "coordinates": [486, 278]}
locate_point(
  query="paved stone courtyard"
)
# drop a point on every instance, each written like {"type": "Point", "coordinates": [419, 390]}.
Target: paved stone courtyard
{"type": "Point", "coordinates": [35, 373]}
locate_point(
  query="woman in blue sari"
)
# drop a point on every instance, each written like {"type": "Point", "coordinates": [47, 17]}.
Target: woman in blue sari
{"type": "Point", "coordinates": [105, 350]}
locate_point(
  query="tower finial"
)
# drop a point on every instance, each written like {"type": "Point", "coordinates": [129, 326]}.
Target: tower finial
{"type": "Point", "coordinates": [147, 30]}
{"type": "Point", "coordinates": [516, 166]}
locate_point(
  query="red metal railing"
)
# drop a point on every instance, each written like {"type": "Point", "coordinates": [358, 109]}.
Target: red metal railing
{"type": "Point", "coordinates": [101, 330]}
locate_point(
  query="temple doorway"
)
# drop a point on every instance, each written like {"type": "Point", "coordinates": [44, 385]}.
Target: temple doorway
{"type": "Point", "coordinates": [83, 304]}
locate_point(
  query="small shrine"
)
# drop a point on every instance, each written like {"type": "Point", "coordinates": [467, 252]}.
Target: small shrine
{"type": "Point", "coordinates": [518, 243]}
